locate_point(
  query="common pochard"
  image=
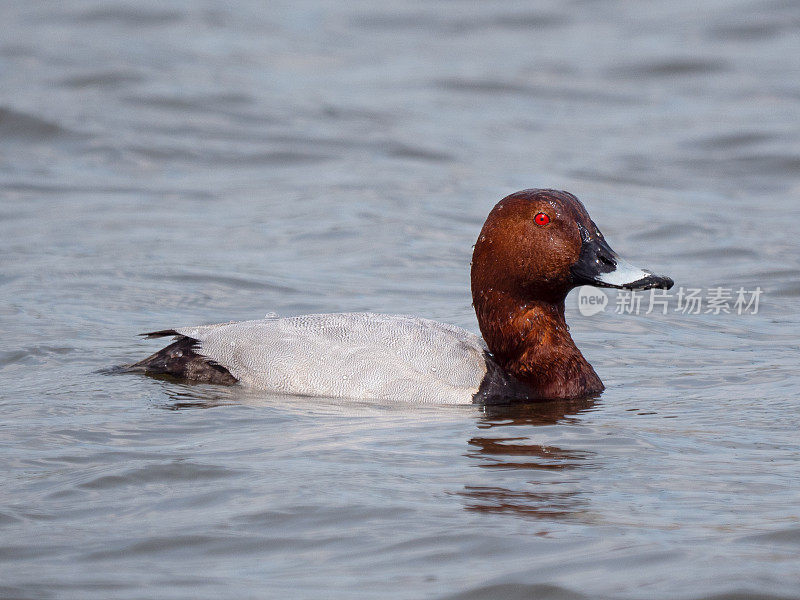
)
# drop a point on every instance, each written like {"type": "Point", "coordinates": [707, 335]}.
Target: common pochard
{"type": "Point", "coordinates": [535, 246]}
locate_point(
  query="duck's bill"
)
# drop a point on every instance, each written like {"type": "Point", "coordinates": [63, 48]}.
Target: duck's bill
{"type": "Point", "coordinates": [600, 266]}
{"type": "Point", "coordinates": [626, 276]}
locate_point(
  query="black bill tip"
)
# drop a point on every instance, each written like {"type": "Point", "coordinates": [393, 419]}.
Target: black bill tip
{"type": "Point", "coordinates": [650, 282]}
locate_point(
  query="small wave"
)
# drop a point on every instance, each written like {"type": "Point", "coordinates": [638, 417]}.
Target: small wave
{"type": "Point", "coordinates": [432, 22]}
{"type": "Point", "coordinates": [777, 165]}
{"type": "Point", "coordinates": [732, 140]}
{"type": "Point", "coordinates": [745, 595]}
{"type": "Point", "coordinates": [23, 126]}
{"type": "Point", "coordinates": [195, 102]}
{"type": "Point", "coordinates": [230, 281]}
{"type": "Point", "coordinates": [128, 16]}
{"type": "Point", "coordinates": [403, 151]}
{"type": "Point", "coordinates": [6, 518]}
{"type": "Point", "coordinates": [673, 231]}
{"type": "Point", "coordinates": [210, 157]}
{"type": "Point", "coordinates": [516, 591]}
{"type": "Point", "coordinates": [24, 355]}
{"type": "Point", "coordinates": [159, 473]}
{"type": "Point", "coordinates": [750, 30]}
{"type": "Point", "coordinates": [105, 79]}
{"type": "Point", "coordinates": [788, 291]}
{"type": "Point", "coordinates": [347, 113]}
{"type": "Point", "coordinates": [669, 68]}
{"type": "Point", "coordinates": [721, 253]}
{"type": "Point", "coordinates": [495, 86]}
{"type": "Point", "coordinates": [789, 536]}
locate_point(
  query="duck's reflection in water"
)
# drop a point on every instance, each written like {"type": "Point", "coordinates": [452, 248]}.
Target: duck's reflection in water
{"type": "Point", "coordinates": [549, 486]}
{"type": "Point", "coordinates": [183, 396]}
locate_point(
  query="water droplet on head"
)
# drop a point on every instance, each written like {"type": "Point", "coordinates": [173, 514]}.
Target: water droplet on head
{"type": "Point", "coordinates": [483, 238]}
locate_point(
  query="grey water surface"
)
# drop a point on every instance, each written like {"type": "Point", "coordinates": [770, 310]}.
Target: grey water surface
{"type": "Point", "coordinates": [178, 163]}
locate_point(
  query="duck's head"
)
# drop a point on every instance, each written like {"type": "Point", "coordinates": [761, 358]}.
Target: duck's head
{"type": "Point", "coordinates": [539, 244]}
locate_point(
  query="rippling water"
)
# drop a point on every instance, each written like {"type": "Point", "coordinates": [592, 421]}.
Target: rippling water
{"type": "Point", "coordinates": [183, 163]}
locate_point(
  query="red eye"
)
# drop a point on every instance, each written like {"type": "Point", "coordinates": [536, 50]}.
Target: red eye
{"type": "Point", "coordinates": [541, 219]}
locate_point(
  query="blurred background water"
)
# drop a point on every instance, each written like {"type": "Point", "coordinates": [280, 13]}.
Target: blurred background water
{"type": "Point", "coordinates": [189, 162]}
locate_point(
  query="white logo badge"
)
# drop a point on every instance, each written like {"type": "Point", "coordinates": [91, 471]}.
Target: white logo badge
{"type": "Point", "coordinates": [591, 300]}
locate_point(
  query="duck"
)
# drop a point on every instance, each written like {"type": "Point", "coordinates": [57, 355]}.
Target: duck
{"type": "Point", "coordinates": [534, 248]}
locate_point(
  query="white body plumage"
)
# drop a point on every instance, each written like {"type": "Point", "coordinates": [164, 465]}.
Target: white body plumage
{"type": "Point", "coordinates": [349, 355]}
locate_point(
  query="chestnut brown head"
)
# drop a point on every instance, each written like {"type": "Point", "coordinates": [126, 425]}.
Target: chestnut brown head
{"type": "Point", "coordinates": [539, 244]}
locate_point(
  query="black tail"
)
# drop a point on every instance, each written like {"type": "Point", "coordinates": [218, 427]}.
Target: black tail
{"type": "Point", "coordinates": [180, 360]}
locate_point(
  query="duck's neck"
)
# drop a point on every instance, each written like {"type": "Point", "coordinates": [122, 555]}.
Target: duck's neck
{"type": "Point", "coordinates": [531, 341]}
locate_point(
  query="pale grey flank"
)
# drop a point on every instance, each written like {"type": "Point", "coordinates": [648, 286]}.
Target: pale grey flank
{"type": "Point", "coordinates": [361, 356]}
